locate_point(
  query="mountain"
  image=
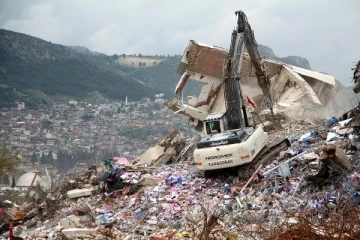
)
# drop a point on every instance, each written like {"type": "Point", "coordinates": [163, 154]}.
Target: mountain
{"type": "Point", "coordinates": [85, 51]}
{"type": "Point", "coordinates": [292, 60]}
{"type": "Point", "coordinates": [36, 71]}
{"type": "Point", "coordinates": [28, 63]}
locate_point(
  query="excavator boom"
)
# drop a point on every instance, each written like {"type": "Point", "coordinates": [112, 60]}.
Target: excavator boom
{"type": "Point", "coordinates": [262, 75]}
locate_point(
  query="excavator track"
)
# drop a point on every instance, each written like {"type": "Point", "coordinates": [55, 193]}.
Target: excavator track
{"type": "Point", "coordinates": [264, 157]}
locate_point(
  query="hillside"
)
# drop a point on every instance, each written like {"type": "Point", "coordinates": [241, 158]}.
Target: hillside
{"type": "Point", "coordinates": [30, 63]}
{"type": "Point", "coordinates": [161, 76]}
{"type": "Point", "coordinates": [292, 60]}
{"type": "Point", "coordinates": [34, 69]}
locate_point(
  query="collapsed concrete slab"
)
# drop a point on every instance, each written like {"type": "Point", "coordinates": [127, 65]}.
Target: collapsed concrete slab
{"type": "Point", "coordinates": [291, 87]}
{"type": "Point", "coordinates": [75, 193]}
{"type": "Point", "coordinates": [148, 180]}
{"type": "Point", "coordinates": [71, 221]}
{"type": "Point", "coordinates": [162, 151]}
{"type": "Point", "coordinates": [78, 231]}
{"type": "Point", "coordinates": [335, 158]}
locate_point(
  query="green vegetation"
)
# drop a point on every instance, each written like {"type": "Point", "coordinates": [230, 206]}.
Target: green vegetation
{"type": "Point", "coordinates": [87, 117]}
{"type": "Point", "coordinates": [162, 77]}
{"type": "Point", "coordinates": [46, 124]}
{"type": "Point", "coordinates": [33, 69]}
{"type": "Point", "coordinates": [34, 158]}
{"type": "Point", "coordinates": [9, 95]}
{"type": "Point", "coordinates": [73, 77]}
{"type": "Point", "coordinates": [47, 159]}
{"type": "Point", "coordinates": [8, 161]}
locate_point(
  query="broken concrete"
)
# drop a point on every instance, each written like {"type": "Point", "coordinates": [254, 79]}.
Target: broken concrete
{"type": "Point", "coordinates": [163, 151]}
{"type": "Point", "coordinates": [71, 221]}
{"type": "Point", "coordinates": [147, 180]}
{"type": "Point", "coordinates": [172, 199]}
{"type": "Point", "coordinates": [72, 232]}
{"type": "Point", "coordinates": [76, 193]}
{"type": "Point", "coordinates": [335, 158]}
{"type": "Point", "coordinates": [293, 88]}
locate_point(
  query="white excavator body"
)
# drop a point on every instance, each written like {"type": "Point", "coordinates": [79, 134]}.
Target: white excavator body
{"type": "Point", "coordinates": [230, 149]}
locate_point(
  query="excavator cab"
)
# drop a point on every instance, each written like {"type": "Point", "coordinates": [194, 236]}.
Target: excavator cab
{"type": "Point", "coordinates": [215, 123]}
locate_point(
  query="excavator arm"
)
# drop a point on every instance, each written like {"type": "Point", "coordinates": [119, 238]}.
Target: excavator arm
{"type": "Point", "coordinates": [357, 77]}
{"type": "Point", "coordinates": [242, 37]}
{"type": "Point", "coordinates": [261, 72]}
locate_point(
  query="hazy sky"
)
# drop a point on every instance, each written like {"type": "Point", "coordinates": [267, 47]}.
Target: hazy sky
{"type": "Point", "coordinates": [326, 32]}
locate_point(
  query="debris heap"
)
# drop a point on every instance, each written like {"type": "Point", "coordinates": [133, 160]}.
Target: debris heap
{"type": "Point", "coordinates": [311, 190]}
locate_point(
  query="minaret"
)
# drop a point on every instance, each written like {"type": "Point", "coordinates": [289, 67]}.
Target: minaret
{"type": "Point", "coordinates": [126, 102]}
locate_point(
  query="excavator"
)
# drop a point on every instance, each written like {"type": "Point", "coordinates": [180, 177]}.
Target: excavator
{"type": "Point", "coordinates": [230, 141]}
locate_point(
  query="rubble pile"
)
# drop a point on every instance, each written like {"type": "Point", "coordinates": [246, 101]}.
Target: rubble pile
{"type": "Point", "coordinates": [311, 190]}
{"type": "Point", "coordinates": [163, 150]}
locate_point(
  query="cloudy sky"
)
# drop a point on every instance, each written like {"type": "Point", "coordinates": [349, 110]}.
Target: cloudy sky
{"type": "Point", "coordinates": [326, 32]}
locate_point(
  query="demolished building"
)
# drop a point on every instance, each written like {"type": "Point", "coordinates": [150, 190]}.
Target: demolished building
{"type": "Point", "coordinates": [296, 91]}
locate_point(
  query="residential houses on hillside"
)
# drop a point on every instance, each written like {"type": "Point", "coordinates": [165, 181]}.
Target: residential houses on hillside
{"type": "Point", "coordinates": [123, 129]}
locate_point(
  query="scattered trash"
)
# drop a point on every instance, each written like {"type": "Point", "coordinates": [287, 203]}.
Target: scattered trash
{"type": "Point", "coordinates": [332, 121]}
{"type": "Point", "coordinates": [311, 178]}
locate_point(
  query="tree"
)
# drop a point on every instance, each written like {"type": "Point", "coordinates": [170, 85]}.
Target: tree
{"type": "Point", "coordinates": [44, 159]}
{"type": "Point", "coordinates": [5, 180]}
{"type": "Point", "coordinates": [140, 55]}
{"type": "Point", "coordinates": [33, 158]}
{"type": "Point", "coordinates": [87, 117]}
{"type": "Point", "coordinates": [140, 64]}
{"type": "Point", "coordinates": [124, 55]}
{"type": "Point", "coordinates": [8, 161]}
{"type": "Point", "coordinates": [47, 124]}
{"type": "Point", "coordinates": [108, 114]}
{"type": "Point", "coordinates": [50, 158]}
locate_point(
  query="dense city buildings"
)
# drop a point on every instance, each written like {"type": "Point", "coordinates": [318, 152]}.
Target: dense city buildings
{"type": "Point", "coordinates": [75, 133]}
